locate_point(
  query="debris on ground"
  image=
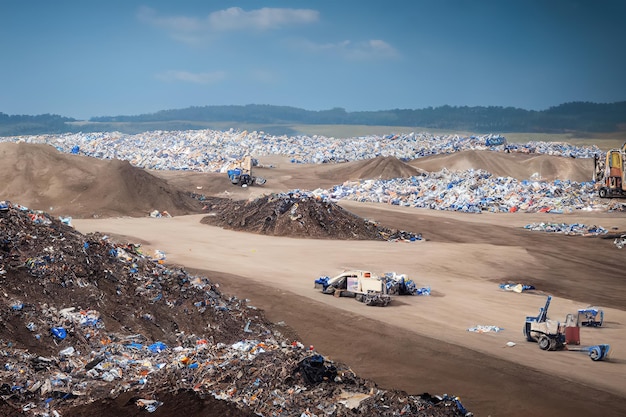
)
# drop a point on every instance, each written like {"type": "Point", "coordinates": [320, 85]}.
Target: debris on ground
{"type": "Point", "coordinates": [89, 326]}
{"type": "Point", "coordinates": [575, 229]}
{"type": "Point", "coordinates": [518, 288]}
{"type": "Point", "coordinates": [484, 329]}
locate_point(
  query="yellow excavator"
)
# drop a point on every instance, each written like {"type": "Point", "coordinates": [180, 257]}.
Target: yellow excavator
{"type": "Point", "coordinates": [609, 173]}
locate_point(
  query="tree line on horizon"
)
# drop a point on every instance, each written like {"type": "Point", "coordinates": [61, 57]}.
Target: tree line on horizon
{"type": "Point", "coordinates": [568, 117]}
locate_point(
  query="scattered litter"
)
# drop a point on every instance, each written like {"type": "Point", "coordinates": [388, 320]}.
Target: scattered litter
{"type": "Point", "coordinates": [352, 399]}
{"type": "Point", "coordinates": [149, 405]}
{"type": "Point", "coordinates": [484, 329]}
{"type": "Point", "coordinates": [158, 214]}
{"type": "Point", "coordinates": [510, 344]}
{"type": "Point", "coordinates": [59, 332]}
{"type": "Point", "coordinates": [568, 229]}
{"type": "Point", "coordinates": [518, 288]}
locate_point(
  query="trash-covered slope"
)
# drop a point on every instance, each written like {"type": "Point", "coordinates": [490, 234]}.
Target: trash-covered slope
{"type": "Point", "coordinates": [297, 214]}
{"type": "Point", "coordinates": [93, 327]}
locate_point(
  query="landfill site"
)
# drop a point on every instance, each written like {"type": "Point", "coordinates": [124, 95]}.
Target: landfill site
{"type": "Point", "coordinates": [234, 273]}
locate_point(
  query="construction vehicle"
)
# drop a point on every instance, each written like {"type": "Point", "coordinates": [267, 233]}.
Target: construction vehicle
{"type": "Point", "coordinates": [554, 335]}
{"type": "Point", "coordinates": [364, 286]}
{"type": "Point", "coordinates": [609, 173]}
{"type": "Point", "coordinates": [591, 316]}
{"type": "Point", "coordinates": [241, 173]}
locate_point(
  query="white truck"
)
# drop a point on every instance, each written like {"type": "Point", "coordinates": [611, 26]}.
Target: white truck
{"type": "Point", "coordinates": [365, 286]}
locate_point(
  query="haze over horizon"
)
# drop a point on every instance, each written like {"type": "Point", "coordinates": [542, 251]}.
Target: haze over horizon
{"type": "Point", "coordinates": [126, 57]}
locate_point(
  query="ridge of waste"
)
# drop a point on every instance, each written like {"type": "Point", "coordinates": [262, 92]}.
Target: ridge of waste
{"type": "Point", "coordinates": [298, 214]}
{"type": "Point", "coordinates": [214, 151]}
{"type": "Point", "coordinates": [86, 319]}
{"type": "Point", "coordinates": [474, 191]}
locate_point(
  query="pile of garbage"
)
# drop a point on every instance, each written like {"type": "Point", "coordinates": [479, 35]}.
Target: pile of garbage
{"type": "Point", "coordinates": [297, 214]}
{"type": "Point", "coordinates": [214, 151]}
{"type": "Point", "coordinates": [573, 229]}
{"type": "Point", "coordinates": [471, 191]}
{"type": "Point", "coordinates": [401, 284]}
{"type": "Point", "coordinates": [84, 320]}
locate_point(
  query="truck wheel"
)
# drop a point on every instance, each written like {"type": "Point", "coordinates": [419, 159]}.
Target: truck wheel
{"type": "Point", "coordinates": [603, 193]}
{"type": "Point", "coordinates": [554, 344]}
{"type": "Point", "coordinates": [544, 342]}
{"type": "Point", "coordinates": [595, 353]}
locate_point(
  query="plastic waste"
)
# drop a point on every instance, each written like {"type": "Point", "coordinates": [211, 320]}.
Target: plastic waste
{"type": "Point", "coordinates": [69, 351]}
{"type": "Point", "coordinates": [157, 347]}
{"type": "Point", "coordinates": [59, 332]}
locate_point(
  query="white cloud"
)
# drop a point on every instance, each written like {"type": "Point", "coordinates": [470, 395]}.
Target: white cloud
{"type": "Point", "coordinates": [170, 23]}
{"type": "Point", "coordinates": [235, 18]}
{"type": "Point", "coordinates": [358, 51]}
{"type": "Point", "coordinates": [192, 77]}
{"type": "Point", "coordinates": [189, 29]}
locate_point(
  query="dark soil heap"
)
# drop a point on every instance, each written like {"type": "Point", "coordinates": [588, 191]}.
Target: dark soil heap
{"type": "Point", "coordinates": [93, 327]}
{"type": "Point", "coordinates": [300, 215]}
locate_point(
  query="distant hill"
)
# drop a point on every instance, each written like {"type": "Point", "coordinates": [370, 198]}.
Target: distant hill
{"type": "Point", "coordinates": [568, 117]}
{"type": "Point", "coordinates": [33, 125]}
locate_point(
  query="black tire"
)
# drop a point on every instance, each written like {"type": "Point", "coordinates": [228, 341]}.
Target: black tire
{"type": "Point", "coordinates": [603, 193]}
{"type": "Point", "coordinates": [544, 342]}
{"type": "Point", "coordinates": [554, 344]}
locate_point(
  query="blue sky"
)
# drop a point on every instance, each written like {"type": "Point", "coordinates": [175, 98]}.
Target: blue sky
{"type": "Point", "coordinates": [81, 59]}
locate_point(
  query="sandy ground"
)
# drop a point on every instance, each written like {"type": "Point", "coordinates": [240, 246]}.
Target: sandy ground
{"type": "Point", "coordinates": [420, 344]}
{"type": "Point", "coordinates": [417, 344]}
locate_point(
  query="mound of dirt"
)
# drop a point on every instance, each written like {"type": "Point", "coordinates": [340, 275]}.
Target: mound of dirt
{"type": "Point", "coordinates": [381, 167]}
{"type": "Point", "coordinates": [515, 165]}
{"type": "Point", "coordinates": [93, 327]}
{"type": "Point", "coordinates": [42, 178]}
{"type": "Point", "coordinates": [297, 215]}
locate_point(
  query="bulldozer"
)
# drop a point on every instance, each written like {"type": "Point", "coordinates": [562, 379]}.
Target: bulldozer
{"type": "Point", "coordinates": [241, 173]}
{"type": "Point", "coordinates": [609, 174]}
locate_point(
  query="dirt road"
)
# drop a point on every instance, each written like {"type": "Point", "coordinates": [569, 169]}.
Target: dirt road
{"type": "Point", "coordinates": [422, 344]}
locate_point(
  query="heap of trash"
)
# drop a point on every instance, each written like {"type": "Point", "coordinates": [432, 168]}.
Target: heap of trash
{"type": "Point", "coordinates": [472, 191]}
{"type": "Point", "coordinates": [571, 229]}
{"type": "Point", "coordinates": [214, 151]}
{"type": "Point", "coordinates": [84, 320]}
{"type": "Point", "coordinates": [297, 214]}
